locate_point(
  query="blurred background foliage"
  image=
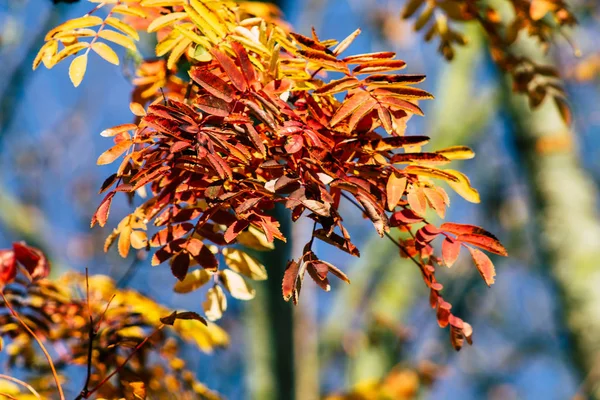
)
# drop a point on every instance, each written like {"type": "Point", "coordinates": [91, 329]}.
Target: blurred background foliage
{"type": "Point", "coordinates": [537, 329]}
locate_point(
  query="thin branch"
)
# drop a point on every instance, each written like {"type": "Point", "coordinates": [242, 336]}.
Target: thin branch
{"type": "Point", "coordinates": [393, 240]}
{"type": "Point", "coordinates": [135, 350]}
{"type": "Point", "coordinates": [91, 335]}
{"type": "Point", "coordinates": [38, 340]}
{"type": "Point", "coordinates": [20, 382]}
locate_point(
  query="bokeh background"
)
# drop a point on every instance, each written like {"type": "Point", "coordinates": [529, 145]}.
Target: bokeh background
{"type": "Point", "coordinates": [542, 207]}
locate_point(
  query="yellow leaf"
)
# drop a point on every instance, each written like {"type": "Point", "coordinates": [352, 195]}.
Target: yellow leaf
{"type": "Point", "coordinates": [124, 241]}
{"type": "Point", "coordinates": [118, 38]}
{"type": "Point", "coordinates": [244, 264]}
{"type": "Point", "coordinates": [187, 31]}
{"type": "Point", "coordinates": [46, 54]}
{"type": "Point", "coordinates": [123, 27]}
{"type": "Point", "coordinates": [215, 304]}
{"type": "Point", "coordinates": [127, 10]}
{"type": "Point", "coordinates": [77, 69]}
{"type": "Point", "coordinates": [69, 51]}
{"type": "Point", "coordinates": [139, 239]}
{"type": "Point", "coordinates": [113, 153]}
{"type": "Point", "coordinates": [104, 51]}
{"type": "Point", "coordinates": [201, 24]}
{"type": "Point", "coordinates": [137, 109]}
{"type": "Point", "coordinates": [161, 3]}
{"type": "Point", "coordinates": [83, 22]}
{"type": "Point", "coordinates": [168, 42]}
{"type": "Point", "coordinates": [132, 332]}
{"type": "Point", "coordinates": [255, 239]}
{"type": "Point", "coordinates": [346, 42]}
{"type": "Point", "coordinates": [165, 20]}
{"type": "Point", "coordinates": [177, 52]}
{"type": "Point", "coordinates": [193, 280]}
{"type": "Point", "coordinates": [236, 285]}
{"type": "Point", "coordinates": [457, 153]}
{"type": "Point", "coordinates": [211, 17]}
{"type": "Point", "coordinates": [75, 33]}
{"type": "Point", "coordinates": [463, 186]}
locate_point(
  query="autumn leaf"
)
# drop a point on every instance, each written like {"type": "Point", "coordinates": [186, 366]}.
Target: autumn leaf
{"type": "Point", "coordinates": [484, 265]}
{"type": "Point", "coordinates": [114, 152]}
{"type": "Point", "coordinates": [77, 69]}
{"type": "Point", "coordinates": [215, 304]}
{"type": "Point", "coordinates": [236, 285]}
{"type": "Point", "coordinates": [244, 264]}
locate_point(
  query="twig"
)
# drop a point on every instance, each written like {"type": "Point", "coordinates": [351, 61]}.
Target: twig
{"type": "Point", "coordinates": [32, 333]}
{"type": "Point", "coordinates": [20, 382]}
{"type": "Point", "coordinates": [91, 335]}
{"type": "Point", "coordinates": [135, 350]}
{"type": "Point", "coordinates": [393, 240]}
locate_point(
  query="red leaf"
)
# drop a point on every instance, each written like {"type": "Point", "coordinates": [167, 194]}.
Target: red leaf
{"type": "Point", "coordinates": [101, 214]}
{"type": "Point", "coordinates": [170, 233]}
{"type": "Point", "coordinates": [202, 254]}
{"type": "Point", "coordinates": [288, 284]}
{"type": "Point", "coordinates": [8, 267]}
{"type": "Point", "coordinates": [212, 84]}
{"type": "Point", "coordinates": [235, 229]}
{"type": "Point", "coordinates": [485, 242]}
{"type": "Point", "coordinates": [450, 251]}
{"type": "Point", "coordinates": [443, 313]}
{"type": "Point", "coordinates": [179, 146]}
{"type": "Point", "coordinates": [212, 105]}
{"type": "Point", "coordinates": [484, 265]}
{"type": "Point", "coordinates": [405, 217]}
{"type": "Point", "coordinates": [32, 259]}
{"type": "Point", "coordinates": [232, 71]}
{"type": "Point", "coordinates": [180, 265]}
{"type": "Point", "coordinates": [247, 67]}
{"type": "Point", "coordinates": [294, 144]}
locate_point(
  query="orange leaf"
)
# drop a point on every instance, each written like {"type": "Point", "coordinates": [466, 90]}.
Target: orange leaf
{"type": "Point", "coordinates": [114, 152]}
{"type": "Point", "coordinates": [484, 265]}
{"type": "Point", "coordinates": [396, 185]}
{"type": "Point", "coordinates": [450, 251]}
{"type": "Point", "coordinates": [349, 106]}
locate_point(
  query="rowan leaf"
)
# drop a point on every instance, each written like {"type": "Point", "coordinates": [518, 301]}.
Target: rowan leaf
{"type": "Point", "coordinates": [244, 264]}
{"type": "Point", "coordinates": [192, 281]}
{"type": "Point", "coordinates": [396, 185]}
{"type": "Point", "coordinates": [118, 38]}
{"type": "Point", "coordinates": [114, 152]}
{"type": "Point", "coordinates": [236, 285]}
{"type": "Point", "coordinates": [215, 304]}
{"type": "Point", "coordinates": [450, 251]}
{"type": "Point", "coordinates": [484, 265]}
{"type": "Point", "coordinates": [77, 69]}
{"type": "Point", "coordinates": [104, 51]}
{"type": "Point", "coordinates": [349, 106]}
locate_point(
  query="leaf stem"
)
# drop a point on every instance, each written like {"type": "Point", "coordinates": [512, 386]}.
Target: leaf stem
{"type": "Point", "coordinates": [39, 341]}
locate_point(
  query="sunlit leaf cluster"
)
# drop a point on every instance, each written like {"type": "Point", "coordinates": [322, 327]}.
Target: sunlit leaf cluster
{"type": "Point", "coordinates": [238, 114]}
{"type": "Point", "coordinates": [91, 322]}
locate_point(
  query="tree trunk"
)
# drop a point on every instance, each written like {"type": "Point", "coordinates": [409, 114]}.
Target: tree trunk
{"type": "Point", "coordinates": [564, 203]}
